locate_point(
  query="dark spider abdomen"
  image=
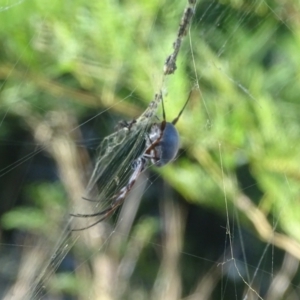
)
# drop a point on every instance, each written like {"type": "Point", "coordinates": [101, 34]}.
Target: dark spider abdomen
{"type": "Point", "coordinates": [169, 145]}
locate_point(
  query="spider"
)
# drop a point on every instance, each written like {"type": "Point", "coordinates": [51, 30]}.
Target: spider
{"type": "Point", "coordinates": [162, 144]}
{"type": "Point", "coordinates": [162, 141]}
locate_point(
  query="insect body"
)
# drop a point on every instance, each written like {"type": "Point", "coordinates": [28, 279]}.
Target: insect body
{"type": "Point", "coordinates": [161, 147]}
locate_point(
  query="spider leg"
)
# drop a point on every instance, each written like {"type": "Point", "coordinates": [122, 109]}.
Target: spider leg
{"type": "Point", "coordinates": [153, 157]}
{"type": "Point", "coordinates": [91, 200]}
{"type": "Point", "coordinates": [95, 223]}
{"type": "Point", "coordinates": [99, 213]}
{"type": "Point", "coordinates": [139, 166]}
{"type": "Point", "coordinates": [183, 108]}
{"type": "Point", "coordinates": [119, 198]}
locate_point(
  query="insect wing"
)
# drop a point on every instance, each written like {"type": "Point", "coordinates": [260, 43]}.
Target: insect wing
{"type": "Point", "coordinates": [114, 167]}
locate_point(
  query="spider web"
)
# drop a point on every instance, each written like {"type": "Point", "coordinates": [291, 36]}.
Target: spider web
{"type": "Point", "coordinates": [240, 137]}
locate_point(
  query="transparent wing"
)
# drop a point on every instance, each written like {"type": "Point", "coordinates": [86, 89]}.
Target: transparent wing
{"type": "Point", "coordinates": [114, 165]}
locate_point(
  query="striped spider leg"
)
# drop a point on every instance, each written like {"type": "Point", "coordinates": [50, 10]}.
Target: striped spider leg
{"type": "Point", "coordinates": [162, 144]}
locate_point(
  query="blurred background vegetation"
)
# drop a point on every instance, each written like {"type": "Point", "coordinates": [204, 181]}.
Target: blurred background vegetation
{"type": "Point", "coordinates": [223, 220]}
